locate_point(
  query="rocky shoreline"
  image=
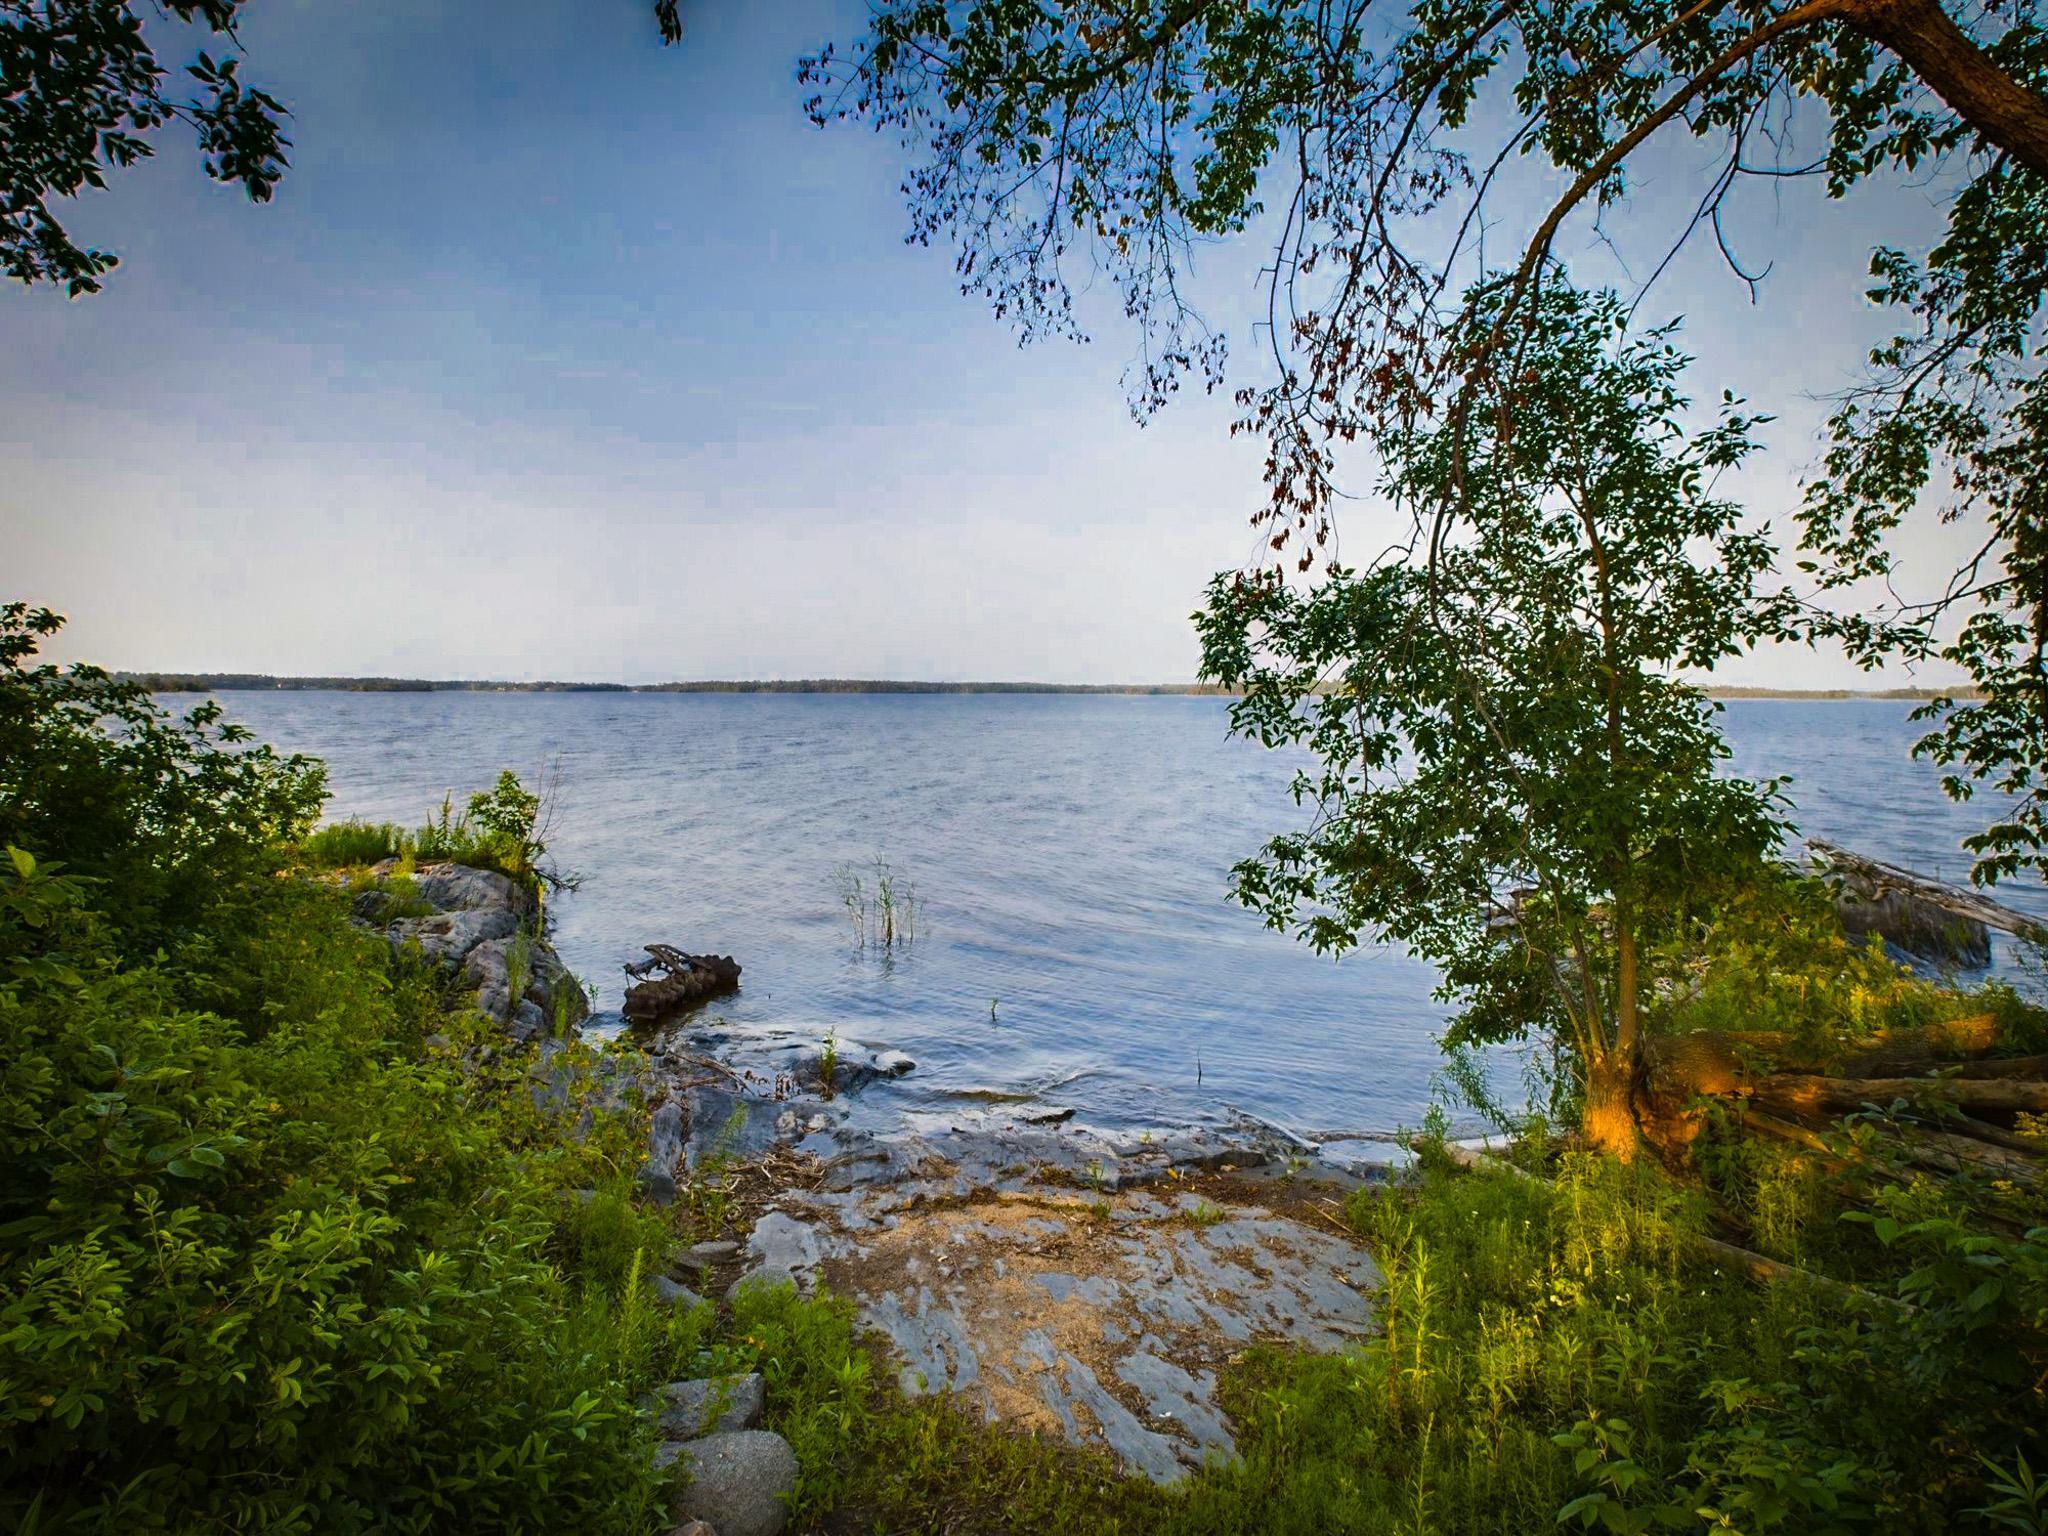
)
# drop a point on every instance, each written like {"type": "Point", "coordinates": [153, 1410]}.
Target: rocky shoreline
{"type": "Point", "coordinates": [486, 932]}
{"type": "Point", "coordinates": [1053, 1276]}
{"type": "Point", "coordinates": [1061, 1278]}
{"type": "Point", "coordinates": [1057, 1277]}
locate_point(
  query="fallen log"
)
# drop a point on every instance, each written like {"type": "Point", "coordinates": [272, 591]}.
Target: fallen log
{"type": "Point", "coordinates": [2010, 1066]}
{"type": "Point", "coordinates": [1927, 918]}
{"type": "Point", "coordinates": [1999, 1137]}
{"type": "Point", "coordinates": [1712, 1062]}
{"type": "Point", "coordinates": [1952, 1153]}
{"type": "Point", "coordinates": [1811, 1093]}
{"type": "Point", "coordinates": [683, 981]}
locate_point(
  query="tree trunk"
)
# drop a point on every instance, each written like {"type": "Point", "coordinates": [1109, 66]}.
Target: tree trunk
{"type": "Point", "coordinates": [1927, 39]}
{"type": "Point", "coordinates": [1610, 1121]}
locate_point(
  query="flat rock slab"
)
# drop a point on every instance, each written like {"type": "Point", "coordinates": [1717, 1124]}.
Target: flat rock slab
{"type": "Point", "coordinates": [1105, 1321]}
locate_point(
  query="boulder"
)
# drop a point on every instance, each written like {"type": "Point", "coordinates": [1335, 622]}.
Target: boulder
{"type": "Point", "coordinates": [1910, 923]}
{"type": "Point", "coordinates": [714, 1406]}
{"type": "Point", "coordinates": [782, 1242]}
{"type": "Point", "coordinates": [728, 1127]}
{"type": "Point", "coordinates": [853, 1067]}
{"type": "Point", "coordinates": [549, 984]}
{"type": "Point", "coordinates": [446, 938]}
{"type": "Point", "coordinates": [463, 888]}
{"type": "Point", "coordinates": [740, 1480]}
{"type": "Point", "coordinates": [674, 1293]}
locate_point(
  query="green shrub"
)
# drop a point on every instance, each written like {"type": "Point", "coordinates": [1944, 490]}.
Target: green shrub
{"type": "Point", "coordinates": [1772, 957]}
{"type": "Point", "coordinates": [267, 1260]}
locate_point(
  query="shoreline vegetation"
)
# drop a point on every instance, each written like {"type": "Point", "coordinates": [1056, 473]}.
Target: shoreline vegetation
{"type": "Point", "coordinates": [257, 682]}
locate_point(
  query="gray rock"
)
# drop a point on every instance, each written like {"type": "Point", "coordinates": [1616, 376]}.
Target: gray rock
{"type": "Point", "coordinates": [854, 1066]}
{"type": "Point", "coordinates": [728, 1127]}
{"type": "Point", "coordinates": [782, 1242]}
{"type": "Point", "coordinates": [664, 1146]}
{"type": "Point", "coordinates": [694, 1528]}
{"type": "Point", "coordinates": [713, 1406]}
{"type": "Point", "coordinates": [461, 888]}
{"type": "Point", "coordinates": [446, 938]}
{"type": "Point", "coordinates": [526, 1024]}
{"type": "Point", "coordinates": [761, 1279]}
{"type": "Point", "coordinates": [699, 1258]}
{"type": "Point", "coordinates": [368, 907]}
{"type": "Point", "coordinates": [1921, 929]}
{"type": "Point", "coordinates": [893, 1064]}
{"type": "Point", "coordinates": [742, 1480]}
{"type": "Point", "coordinates": [548, 984]}
{"type": "Point", "coordinates": [675, 1294]}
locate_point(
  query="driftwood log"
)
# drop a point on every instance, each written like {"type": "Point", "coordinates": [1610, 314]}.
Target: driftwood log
{"type": "Point", "coordinates": [669, 981]}
{"type": "Point", "coordinates": [1951, 1100]}
{"type": "Point", "coordinates": [1926, 918]}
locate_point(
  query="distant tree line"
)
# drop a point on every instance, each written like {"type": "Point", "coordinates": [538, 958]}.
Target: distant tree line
{"type": "Point", "coordinates": [215, 682]}
{"type": "Point", "coordinates": [237, 682]}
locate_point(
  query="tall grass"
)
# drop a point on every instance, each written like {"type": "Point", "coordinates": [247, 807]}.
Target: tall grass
{"type": "Point", "coordinates": [504, 828]}
{"type": "Point", "coordinates": [343, 844]}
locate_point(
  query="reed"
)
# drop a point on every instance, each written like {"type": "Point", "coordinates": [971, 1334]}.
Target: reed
{"type": "Point", "coordinates": [881, 905]}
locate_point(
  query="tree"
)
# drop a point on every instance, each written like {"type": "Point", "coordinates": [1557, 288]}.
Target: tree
{"type": "Point", "coordinates": [1508, 777]}
{"type": "Point", "coordinates": [1119, 133]}
{"type": "Point", "coordinates": [82, 92]}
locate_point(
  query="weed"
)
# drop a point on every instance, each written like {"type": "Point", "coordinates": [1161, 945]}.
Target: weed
{"type": "Point", "coordinates": [518, 968]}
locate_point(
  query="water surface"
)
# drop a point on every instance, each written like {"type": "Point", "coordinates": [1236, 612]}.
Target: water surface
{"type": "Point", "coordinates": [1070, 857]}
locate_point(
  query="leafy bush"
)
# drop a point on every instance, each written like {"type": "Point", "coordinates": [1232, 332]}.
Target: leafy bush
{"type": "Point", "coordinates": [1771, 956]}
{"type": "Point", "coordinates": [269, 1260]}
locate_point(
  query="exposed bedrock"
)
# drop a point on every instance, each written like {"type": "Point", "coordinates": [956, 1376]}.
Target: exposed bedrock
{"type": "Point", "coordinates": [484, 931]}
{"type": "Point", "coordinates": [1107, 1320]}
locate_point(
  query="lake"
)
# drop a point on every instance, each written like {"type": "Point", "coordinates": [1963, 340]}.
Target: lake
{"type": "Point", "coordinates": [1069, 855]}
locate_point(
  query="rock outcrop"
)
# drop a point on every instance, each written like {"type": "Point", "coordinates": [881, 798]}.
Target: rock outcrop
{"type": "Point", "coordinates": [1927, 920]}
{"type": "Point", "coordinates": [485, 930]}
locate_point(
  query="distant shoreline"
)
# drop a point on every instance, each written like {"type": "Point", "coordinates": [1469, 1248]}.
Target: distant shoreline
{"type": "Point", "coordinates": [250, 682]}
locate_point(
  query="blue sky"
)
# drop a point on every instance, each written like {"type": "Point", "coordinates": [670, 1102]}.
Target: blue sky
{"type": "Point", "coordinates": [564, 355]}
